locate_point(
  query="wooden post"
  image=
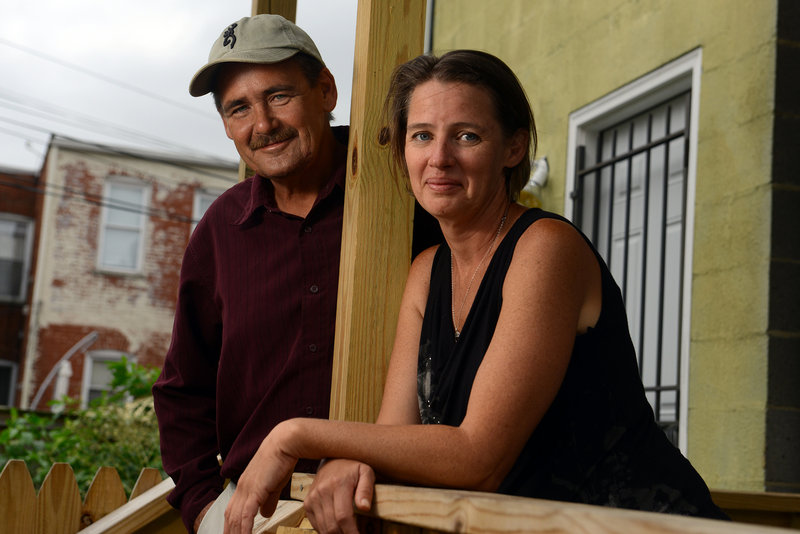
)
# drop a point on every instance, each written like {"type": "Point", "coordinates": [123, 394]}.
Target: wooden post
{"type": "Point", "coordinates": [378, 214]}
{"type": "Point", "coordinates": [376, 240]}
{"type": "Point", "coordinates": [288, 10]}
{"type": "Point", "coordinates": [285, 8]}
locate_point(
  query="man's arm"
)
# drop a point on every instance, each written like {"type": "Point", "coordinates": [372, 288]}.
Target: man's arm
{"type": "Point", "coordinates": [185, 393]}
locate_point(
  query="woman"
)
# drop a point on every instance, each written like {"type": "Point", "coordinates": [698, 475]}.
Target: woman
{"type": "Point", "coordinates": [512, 345]}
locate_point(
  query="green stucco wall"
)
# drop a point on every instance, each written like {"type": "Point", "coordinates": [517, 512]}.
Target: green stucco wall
{"type": "Point", "coordinates": [570, 53]}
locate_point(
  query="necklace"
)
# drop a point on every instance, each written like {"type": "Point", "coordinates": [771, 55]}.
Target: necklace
{"type": "Point", "coordinates": [457, 319]}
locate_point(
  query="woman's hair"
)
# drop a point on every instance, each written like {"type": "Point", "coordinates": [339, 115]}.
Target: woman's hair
{"type": "Point", "coordinates": [512, 109]}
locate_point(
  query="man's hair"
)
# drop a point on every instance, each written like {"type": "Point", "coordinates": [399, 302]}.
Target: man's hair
{"type": "Point", "coordinates": [512, 109]}
{"type": "Point", "coordinates": [310, 66]}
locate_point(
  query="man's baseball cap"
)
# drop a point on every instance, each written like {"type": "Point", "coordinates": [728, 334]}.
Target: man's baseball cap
{"type": "Point", "coordinates": [256, 39]}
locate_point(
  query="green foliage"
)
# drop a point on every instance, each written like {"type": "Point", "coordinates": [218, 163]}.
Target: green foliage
{"type": "Point", "coordinates": [119, 429]}
{"type": "Point", "coordinates": [130, 379]}
{"type": "Point", "coordinates": [27, 437]}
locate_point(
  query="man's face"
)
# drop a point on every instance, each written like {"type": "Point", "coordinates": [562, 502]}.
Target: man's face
{"type": "Point", "coordinates": [276, 119]}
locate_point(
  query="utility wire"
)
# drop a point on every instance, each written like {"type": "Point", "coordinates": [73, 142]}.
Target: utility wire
{"type": "Point", "coordinates": [47, 111]}
{"type": "Point", "coordinates": [95, 200]}
{"type": "Point", "coordinates": [102, 77]}
{"type": "Point", "coordinates": [107, 158]}
{"type": "Point", "coordinates": [165, 158]}
{"type": "Point", "coordinates": [16, 133]}
{"type": "Point", "coordinates": [85, 123]}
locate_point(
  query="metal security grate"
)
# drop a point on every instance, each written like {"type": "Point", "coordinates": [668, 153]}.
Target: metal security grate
{"type": "Point", "coordinates": [630, 199]}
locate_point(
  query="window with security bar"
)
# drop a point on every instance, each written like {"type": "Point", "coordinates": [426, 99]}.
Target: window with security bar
{"type": "Point", "coordinates": [630, 200]}
{"type": "Point", "coordinates": [16, 237]}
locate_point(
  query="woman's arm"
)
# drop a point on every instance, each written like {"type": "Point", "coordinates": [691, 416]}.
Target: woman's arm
{"type": "Point", "coordinates": [551, 293]}
{"type": "Point", "coordinates": [399, 404]}
{"type": "Point", "coordinates": [341, 484]}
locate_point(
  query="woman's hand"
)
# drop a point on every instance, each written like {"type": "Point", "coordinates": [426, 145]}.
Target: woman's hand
{"type": "Point", "coordinates": [338, 485]}
{"type": "Point", "coordinates": [261, 484]}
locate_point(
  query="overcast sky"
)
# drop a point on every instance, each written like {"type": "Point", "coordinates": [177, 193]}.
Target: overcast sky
{"type": "Point", "coordinates": [117, 72]}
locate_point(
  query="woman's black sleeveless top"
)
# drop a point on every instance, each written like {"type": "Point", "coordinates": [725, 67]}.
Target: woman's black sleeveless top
{"type": "Point", "coordinates": [598, 443]}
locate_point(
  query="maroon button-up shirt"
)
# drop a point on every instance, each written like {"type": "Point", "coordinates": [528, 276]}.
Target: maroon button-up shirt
{"type": "Point", "coordinates": [252, 342]}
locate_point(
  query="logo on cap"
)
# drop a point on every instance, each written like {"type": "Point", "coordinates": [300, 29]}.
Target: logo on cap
{"type": "Point", "coordinates": [228, 37]}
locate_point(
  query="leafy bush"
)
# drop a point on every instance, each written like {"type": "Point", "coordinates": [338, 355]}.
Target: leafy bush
{"type": "Point", "coordinates": [119, 429]}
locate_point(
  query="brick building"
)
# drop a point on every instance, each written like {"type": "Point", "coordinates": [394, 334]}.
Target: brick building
{"type": "Point", "coordinates": [113, 226]}
{"type": "Point", "coordinates": [18, 207]}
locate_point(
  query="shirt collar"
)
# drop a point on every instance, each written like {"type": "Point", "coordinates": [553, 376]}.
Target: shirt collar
{"type": "Point", "coordinates": [262, 193]}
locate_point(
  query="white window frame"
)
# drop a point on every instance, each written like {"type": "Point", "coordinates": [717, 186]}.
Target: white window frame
{"type": "Point", "coordinates": [671, 79]}
{"type": "Point", "coordinates": [12, 390]}
{"type": "Point", "coordinates": [199, 195]}
{"type": "Point", "coordinates": [100, 355]}
{"type": "Point", "coordinates": [26, 259]}
{"type": "Point", "coordinates": [104, 224]}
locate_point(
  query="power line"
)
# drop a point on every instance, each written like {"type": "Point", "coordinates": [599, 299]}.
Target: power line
{"type": "Point", "coordinates": [61, 115]}
{"type": "Point", "coordinates": [95, 200]}
{"type": "Point", "coordinates": [25, 125]}
{"type": "Point", "coordinates": [131, 153]}
{"type": "Point", "coordinates": [15, 133]}
{"type": "Point", "coordinates": [102, 77]}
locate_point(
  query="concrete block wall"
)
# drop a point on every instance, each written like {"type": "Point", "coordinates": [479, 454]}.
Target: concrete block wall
{"type": "Point", "coordinates": [783, 401]}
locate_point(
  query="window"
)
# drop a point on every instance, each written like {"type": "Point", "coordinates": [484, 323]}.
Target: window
{"type": "Point", "coordinates": [122, 232]}
{"type": "Point", "coordinates": [8, 380]}
{"type": "Point", "coordinates": [96, 374]}
{"type": "Point", "coordinates": [631, 187]}
{"type": "Point", "coordinates": [16, 237]}
{"type": "Point", "coordinates": [203, 198]}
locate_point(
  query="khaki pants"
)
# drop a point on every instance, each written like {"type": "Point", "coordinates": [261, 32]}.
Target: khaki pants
{"type": "Point", "coordinates": [288, 513]}
{"type": "Point", "coordinates": [214, 520]}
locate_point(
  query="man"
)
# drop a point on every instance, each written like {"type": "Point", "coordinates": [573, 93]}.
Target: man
{"type": "Point", "coordinates": [252, 341]}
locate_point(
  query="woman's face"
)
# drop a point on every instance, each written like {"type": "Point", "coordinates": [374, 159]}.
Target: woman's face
{"type": "Point", "coordinates": [456, 150]}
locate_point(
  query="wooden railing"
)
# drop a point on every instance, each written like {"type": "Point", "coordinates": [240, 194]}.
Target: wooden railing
{"type": "Point", "coordinates": [763, 508]}
{"type": "Point", "coordinates": [414, 510]}
{"type": "Point", "coordinates": [57, 509]}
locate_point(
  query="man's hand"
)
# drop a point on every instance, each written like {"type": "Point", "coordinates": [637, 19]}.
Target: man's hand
{"type": "Point", "coordinates": [260, 486]}
{"type": "Point", "coordinates": [337, 487]}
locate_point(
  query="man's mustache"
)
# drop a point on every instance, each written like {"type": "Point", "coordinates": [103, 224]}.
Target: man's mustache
{"type": "Point", "coordinates": [262, 140]}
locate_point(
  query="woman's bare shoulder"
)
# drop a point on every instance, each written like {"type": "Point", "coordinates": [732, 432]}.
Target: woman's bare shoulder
{"type": "Point", "coordinates": [553, 239]}
{"type": "Point", "coordinates": [419, 279]}
{"type": "Point", "coordinates": [553, 259]}
{"type": "Point", "coordinates": [422, 264]}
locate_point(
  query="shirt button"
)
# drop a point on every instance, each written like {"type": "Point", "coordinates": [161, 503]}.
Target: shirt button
{"type": "Point", "coordinates": [309, 410]}
{"type": "Point", "coordinates": [314, 288]}
{"type": "Point", "coordinates": [312, 348]}
{"type": "Point", "coordinates": [307, 229]}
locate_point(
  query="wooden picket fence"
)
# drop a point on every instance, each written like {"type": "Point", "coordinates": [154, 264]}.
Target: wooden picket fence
{"type": "Point", "coordinates": [58, 509]}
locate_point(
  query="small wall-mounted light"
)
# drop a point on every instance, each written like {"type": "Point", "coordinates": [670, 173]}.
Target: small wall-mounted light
{"type": "Point", "coordinates": [529, 196]}
{"type": "Point", "coordinates": [539, 172]}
